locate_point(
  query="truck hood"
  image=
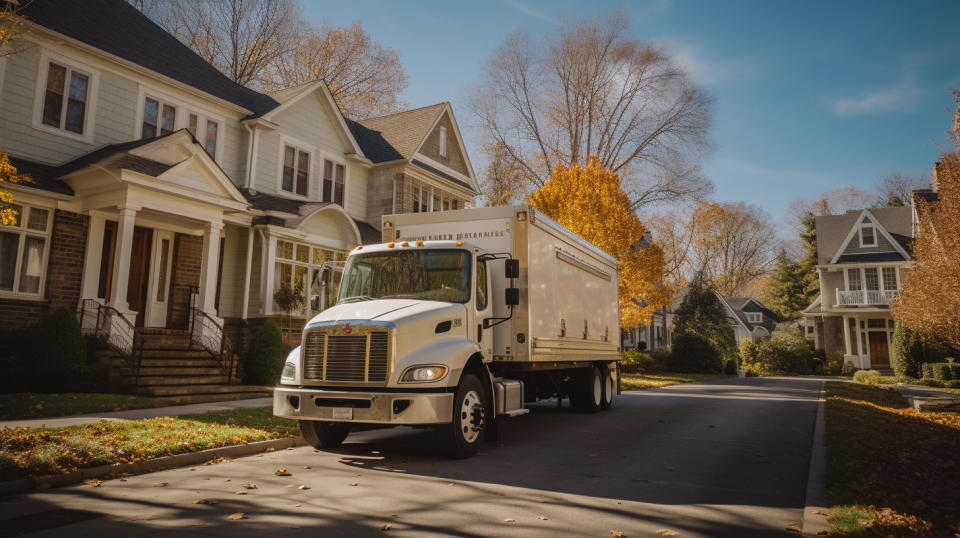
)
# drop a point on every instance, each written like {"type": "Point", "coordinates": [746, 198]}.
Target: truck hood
{"type": "Point", "coordinates": [392, 310]}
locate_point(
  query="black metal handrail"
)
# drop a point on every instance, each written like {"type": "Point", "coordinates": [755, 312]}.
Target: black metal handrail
{"type": "Point", "coordinates": [114, 330]}
{"type": "Point", "coordinates": [208, 333]}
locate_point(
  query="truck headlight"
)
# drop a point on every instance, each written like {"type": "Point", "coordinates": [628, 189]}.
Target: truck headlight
{"type": "Point", "coordinates": [423, 374]}
{"type": "Point", "coordinates": [289, 370]}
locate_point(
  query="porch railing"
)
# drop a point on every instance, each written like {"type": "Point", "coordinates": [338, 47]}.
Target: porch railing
{"type": "Point", "coordinates": [864, 297]}
{"type": "Point", "coordinates": [114, 330]}
{"type": "Point", "coordinates": [207, 332]}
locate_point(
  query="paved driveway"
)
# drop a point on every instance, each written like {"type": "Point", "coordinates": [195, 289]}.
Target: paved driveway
{"type": "Point", "coordinates": [727, 457]}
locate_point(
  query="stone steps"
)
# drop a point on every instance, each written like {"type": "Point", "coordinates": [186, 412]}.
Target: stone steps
{"type": "Point", "coordinates": [206, 389]}
{"type": "Point", "coordinates": [145, 382]}
{"type": "Point", "coordinates": [241, 392]}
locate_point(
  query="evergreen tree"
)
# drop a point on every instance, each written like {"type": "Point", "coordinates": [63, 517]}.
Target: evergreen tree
{"type": "Point", "coordinates": [702, 322]}
{"type": "Point", "coordinates": [807, 266]}
{"type": "Point", "coordinates": [786, 291]}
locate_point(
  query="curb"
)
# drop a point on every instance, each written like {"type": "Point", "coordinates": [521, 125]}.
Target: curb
{"type": "Point", "coordinates": [24, 485]}
{"type": "Point", "coordinates": [815, 510]}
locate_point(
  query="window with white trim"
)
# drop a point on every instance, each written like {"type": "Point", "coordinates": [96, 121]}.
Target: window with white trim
{"type": "Point", "coordinates": [23, 251]}
{"type": "Point", "coordinates": [754, 317]}
{"type": "Point", "coordinates": [443, 141]}
{"type": "Point", "coordinates": [868, 233]}
{"type": "Point", "coordinates": [65, 98]}
{"type": "Point", "coordinates": [159, 118]}
{"type": "Point", "coordinates": [298, 262]}
{"type": "Point", "coordinates": [210, 137]}
{"type": "Point", "coordinates": [890, 278]}
{"type": "Point", "coordinates": [296, 170]}
{"type": "Point", "coordinates": [334, 181]}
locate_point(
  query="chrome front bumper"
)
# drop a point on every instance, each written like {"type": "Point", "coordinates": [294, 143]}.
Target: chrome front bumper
{"type": "Point", "coordinates": [363, 407]}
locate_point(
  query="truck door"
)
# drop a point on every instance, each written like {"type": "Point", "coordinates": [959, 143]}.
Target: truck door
{"type": "Point", "coordinates": [484, 309]}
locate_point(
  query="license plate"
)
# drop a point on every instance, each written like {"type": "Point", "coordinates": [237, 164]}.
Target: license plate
{"type": "Point", "coordinates": [343, 413]}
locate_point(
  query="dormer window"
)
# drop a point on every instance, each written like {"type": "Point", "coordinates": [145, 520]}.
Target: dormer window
{"type": "Point", "coordinates": [754, 317]}
{"type": "Point", "coordinates": [868, 233]}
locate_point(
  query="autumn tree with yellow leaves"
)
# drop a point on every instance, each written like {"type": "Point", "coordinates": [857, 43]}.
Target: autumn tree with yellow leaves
{"type": "Point", "coordinates": [589, 201]}
{"type": "Point", "coordinates": [929, 301]}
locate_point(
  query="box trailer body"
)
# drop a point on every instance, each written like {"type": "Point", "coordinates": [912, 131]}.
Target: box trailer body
{"type": "Point", "coordinates": [456, 320]}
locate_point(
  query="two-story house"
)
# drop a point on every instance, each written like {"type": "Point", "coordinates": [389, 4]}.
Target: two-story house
{"type": "Point", "coordinates": [164, 191]}
{"type": "Point", "coordinates": [863, 256]}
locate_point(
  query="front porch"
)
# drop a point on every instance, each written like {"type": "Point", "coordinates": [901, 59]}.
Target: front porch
{"type": "Point", "coordinates": [868, 339]}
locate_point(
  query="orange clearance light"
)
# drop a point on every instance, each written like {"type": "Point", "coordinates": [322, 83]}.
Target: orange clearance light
{"type": "Point", "coordinates": [405, 244]}
{"type": "Point", "coordinates": [389, 245]}
{"type": "Point", "coordinates": [459, 243]}
{"type": "Point", "coordinates": [533, 217]}
{"type": "Point", "coordinates": [419, 243]}
{"type": "Point", "coordinates": [359, 248]}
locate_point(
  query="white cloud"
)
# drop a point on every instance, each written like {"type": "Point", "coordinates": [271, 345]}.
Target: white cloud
{"type": "Point", "coordinates": [701, 71]}
{"type": "Point", "coordinates": [531, 11]}
{"type": "Point", "coordinates": [897, 98]}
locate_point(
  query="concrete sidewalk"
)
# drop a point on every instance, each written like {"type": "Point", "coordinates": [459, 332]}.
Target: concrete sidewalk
{"type": "Point", "coordinates": [929, 398]}
{"type": "Point", "coordinates": [133, 414]}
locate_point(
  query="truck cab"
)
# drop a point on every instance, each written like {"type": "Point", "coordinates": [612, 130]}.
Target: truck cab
{"type": "Point", "coordinates": [412, 319]}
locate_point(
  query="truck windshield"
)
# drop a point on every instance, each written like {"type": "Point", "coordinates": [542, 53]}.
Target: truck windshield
{"type": "Point", "coordinates": [434, 275]}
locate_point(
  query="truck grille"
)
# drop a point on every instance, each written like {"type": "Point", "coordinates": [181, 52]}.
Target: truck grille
{"type": "Point", "coordinates": [360, 358]}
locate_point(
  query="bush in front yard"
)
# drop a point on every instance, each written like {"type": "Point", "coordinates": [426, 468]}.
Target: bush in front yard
{"type": "Point", "coordinates": [50, 356]}
{"type": "Point", "coordinates": [693, 353]}
{"type": "Point", "coordinates": [786, 352]}
{"type": "Point", "coordinates": [867, 377]}
{"type": "Point", "coordinates": [907, 352]}
{"type": "Point", "coordinates": [263, 360]}
{"type": "Point", "coordinates": [834, 364]}
{"type": "Point", "coordinates": [941, 371]}
{"type": "Point", "coordinates": [635, 362]}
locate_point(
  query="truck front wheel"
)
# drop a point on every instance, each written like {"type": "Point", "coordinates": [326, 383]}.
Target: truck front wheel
{"type": "Point", "coordinates": [324, 435]}
{"type": "Point", "coordinates": [465, 433]}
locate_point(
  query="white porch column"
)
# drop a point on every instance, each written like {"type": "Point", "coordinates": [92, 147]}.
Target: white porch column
{"type": "Point", "coordinates": [91, 257]}
{"type": "Point", "coordinates": [269, 273]}
{"type": "Point", "coordinates": [121, 263]}
{"type": "Point", "coordinates": [846, 335]}
{"type": "Point", "coordinates": [208, 267]}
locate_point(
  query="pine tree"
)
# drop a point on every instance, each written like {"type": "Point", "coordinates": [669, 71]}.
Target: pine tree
{"type": "Point", "coordinates": [701, 317]}
{"type": "Point", "coordinates": [786, 291]}
{"type": "Point", "coordinates": [807, 267]}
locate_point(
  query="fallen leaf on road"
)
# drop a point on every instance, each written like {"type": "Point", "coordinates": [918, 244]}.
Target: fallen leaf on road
{"type": "Point", "coordinates": [238, 515]}
{"type": "Point", "coordinates": [393, 515]}
{"type": "Point", "coordinates": [712, 426]}
{"type": "Point", "coordinates": [283, 472]}
{"type": "Point", "coordinates": [307, 467]}
{"type": "Point", "coordinates": [594, 455]}
{"type": "Point", "coordinates": [93, 482]}
{"type": "Point", "coordinates": [241, 492]}
{"type": "Point", "coordinates": [451, 484]}
{"type": "Point", "coordinates": [667, 532]}
{"type": "Point", "coordinates": [353, 484]}
{"type": "Point", "coordinates": [219, 459]}
{"type": "Point", "coordinates": [297, 505]}
{"type": "Point", "coordinates": [617, 534]}
{"type": "Point", "coordinates": [162, 485]}
{"type": "Point", "coordinates": [542, 517]}
{"type": "Point", "coordinates": [303, 486]}
{"type": "Point", "coordinates": [509, 520]}
{"type": "Point", "coordinates": [670, 468]}
{"type": "Point", "coordinates": [204, 501]}
{"type": "Point", "coordinates": [385, 527]}
{"type": "Point", "coordinates": [271, 449]}
{"type": "Point", "coordinates": [541, 501]}
{"type": "Point", "coordinates": [249, 485]}
{"type": "Point", "coordinates": [794, 527]}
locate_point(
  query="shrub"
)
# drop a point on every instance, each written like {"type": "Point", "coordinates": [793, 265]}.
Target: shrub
{"type": "Point", "coordinates": [786, 352]}
{"type": "Point", "coordinates": [263, 361]}
{"type": "Point", "coordinates": [730, 367]}
{"type": "Point", "coordinates": [634, 362]}
{"type": "Point", "coordinates": [694, 353]}
{"type": "Point", "coordinates": [907, 352]}
{"type": "Point", "coordinates": [834, 363]}
{"type": "Point", "coordinates": [661, 359]}
{"type": "Point", "coordinates": [867, 377]}
{"type": "Point", "coordinates": [849, 368]}
{"type": "Point", "coordinates": [941, 371]}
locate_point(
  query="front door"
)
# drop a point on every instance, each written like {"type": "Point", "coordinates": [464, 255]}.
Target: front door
{"type": "Point", "coordinates": [879, 353]}
{"type": "Point", "coordinates": [158, 292]}
{"type": "Point", "coordinates": [139, 272]}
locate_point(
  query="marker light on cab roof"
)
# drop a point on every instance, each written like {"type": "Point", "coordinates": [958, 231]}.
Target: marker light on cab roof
{"type": "Point", "coordinates": [405, 244]}
{"type": "Point", "coordinates": [459, 243]}
{"type": "Point", "coordinates": [389, 245]}
{"type": "Point", "coordinates": [419, 243]}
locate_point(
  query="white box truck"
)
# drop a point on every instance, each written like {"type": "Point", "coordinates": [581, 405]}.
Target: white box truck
{"type": "Point", "coordinates": [457, 320]}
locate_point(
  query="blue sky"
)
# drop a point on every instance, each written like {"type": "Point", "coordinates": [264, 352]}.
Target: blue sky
{"type": "Point", "coordinates": [809, 96]}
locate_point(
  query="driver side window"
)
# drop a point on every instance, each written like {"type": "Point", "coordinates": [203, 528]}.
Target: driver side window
{"type": "Point", "coordinates": [481, 286]}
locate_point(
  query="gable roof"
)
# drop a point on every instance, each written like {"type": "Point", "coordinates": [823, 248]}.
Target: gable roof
{"type": "Point", "coordinates": [118, 28]}
{"type": "Point", "coordinates": [44, 176]}
{"type": "Point", "coordinates": [289, 96]}
{"type": "Point", "coordinates": [742, 305]}
{"type": "Point", "coordinates": [396, 136]}
{"type": "Point", "coordinates": [369, 234]}
{"type": "Point", "coordinates": [879, 227]}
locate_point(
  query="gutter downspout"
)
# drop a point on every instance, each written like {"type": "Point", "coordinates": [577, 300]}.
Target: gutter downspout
{"type": "Point", "coordinates": [253, 147]}
{"type": "Point", "coordinates": [246, 276]}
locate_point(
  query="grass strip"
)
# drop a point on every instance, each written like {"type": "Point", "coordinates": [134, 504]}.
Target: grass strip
{"type": "Point", "coordinates": [891, 469]}
{"type": "Point", "coordinates": [659, 379]}
{"type": "Point", "coordinates": [34, 451]}
{"type": "Point", "coordinates": [27, 405]}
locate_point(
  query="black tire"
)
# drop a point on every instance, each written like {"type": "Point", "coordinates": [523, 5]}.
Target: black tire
{"type": "Point", "coordinates": [324, 435]}
{"type": "Point", "coordinates": [463, 436]}
{"type": "Point", "coordinates": [587, 393]}
{"type": "Point", "coordinates": [609, 388]}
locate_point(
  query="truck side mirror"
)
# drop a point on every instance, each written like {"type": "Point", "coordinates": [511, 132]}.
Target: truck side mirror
{"type": "Point", "coordinates": [512, 296]}
{"type": "Point", "coordinates": [511, 268]}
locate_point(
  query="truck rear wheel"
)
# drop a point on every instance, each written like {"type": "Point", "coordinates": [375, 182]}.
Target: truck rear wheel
{"type": "Point", "coordinates": [609, 388]}
{"type": "Point", "coordinates": [587, 394]}
{"type": "Point", "coordinates": [324, 435]}
{"type": "Point", "coordinates": [465, 433]}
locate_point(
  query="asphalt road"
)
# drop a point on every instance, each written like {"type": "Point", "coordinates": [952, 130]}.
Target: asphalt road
{"type": "Point", "coordinates": [723, 458]}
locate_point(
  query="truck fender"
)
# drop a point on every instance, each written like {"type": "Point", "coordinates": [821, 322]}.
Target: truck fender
{"type": "Point", "coordinates": [454, 353]}
{"type": "Point", "coordinates": [292, 357]}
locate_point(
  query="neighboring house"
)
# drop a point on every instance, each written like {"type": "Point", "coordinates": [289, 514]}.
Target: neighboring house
{"type": "Point", "coordinates": [658, 334]}
{"type": "Point", "coordinates": [863, 256]}
{"type": "Point", "coordinates": [749, 318]}
{"type": "Point", "coordinates": [164, 190]}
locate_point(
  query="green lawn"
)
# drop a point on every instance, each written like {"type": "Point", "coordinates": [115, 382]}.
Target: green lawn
{"type": "Point", "coordinates": [891, 470]}
{"type": "Point", "coordinates": [25, 452]}
{"type": "Point", "coordinates": [34, 405]}
{"type": "Point", "coordinates": [659, 379]}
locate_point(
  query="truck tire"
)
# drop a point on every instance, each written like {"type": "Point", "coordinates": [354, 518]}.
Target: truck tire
{"type": "Point", "coordinates": [324, 435]}
{"type": "Point", "coordinates": [609, 388]}
{"type": "Point", "coordinates": [464, 434]}
{"type": "Point", "coordinates": [587, 393]}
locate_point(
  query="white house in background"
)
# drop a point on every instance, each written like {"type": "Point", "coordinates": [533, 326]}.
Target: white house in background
{"type": "Point", "coordinates": [863, 256]}
{"type": "Point", "coordinates": [165, 191]}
